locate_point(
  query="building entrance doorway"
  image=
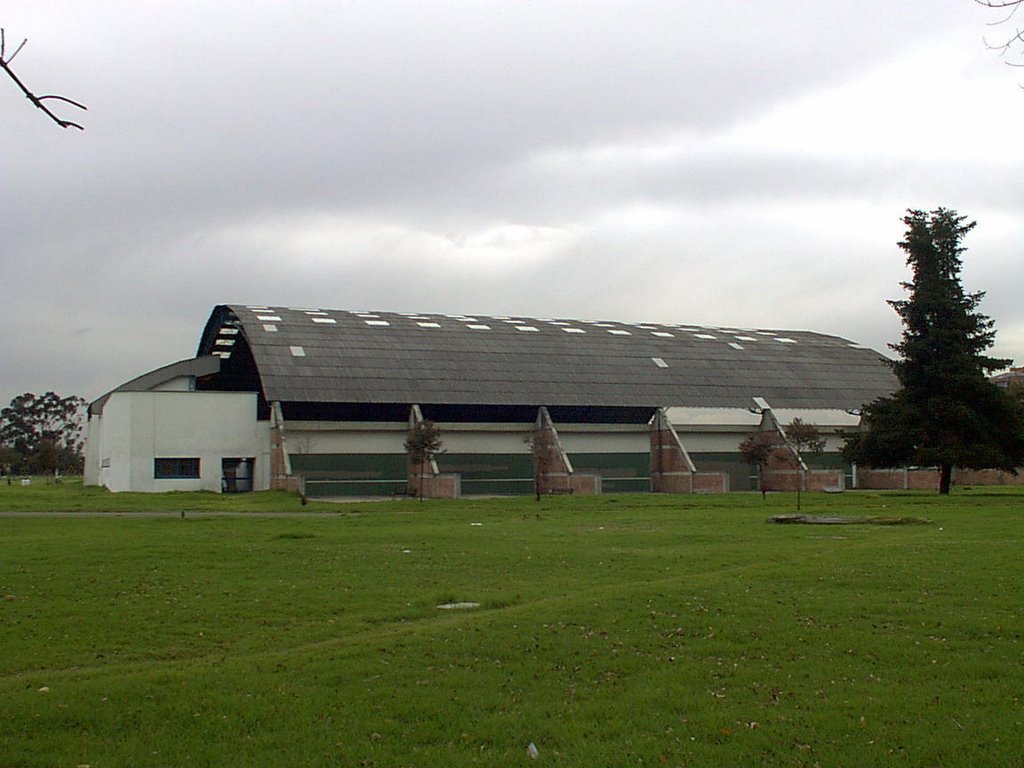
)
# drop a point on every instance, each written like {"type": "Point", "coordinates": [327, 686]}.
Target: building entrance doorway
{"type": "Point", "coordinates": [236, 475]}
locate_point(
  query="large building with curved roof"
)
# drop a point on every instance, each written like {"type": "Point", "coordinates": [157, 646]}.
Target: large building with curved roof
{"type": "Point", "coordinates": [322, 400]}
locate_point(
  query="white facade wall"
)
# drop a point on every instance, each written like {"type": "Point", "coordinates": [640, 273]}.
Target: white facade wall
{"type": "Point", "coordinates": [138, 427]}
{"type": "Point", "coordinates": [721, 430]}
{"type": "Point", "coordinates": [91, 452]}
{"type": "Point", "coordinates": [486, 438]}
{"type": "Point", "coordinates": [712, 442]}
{"type": "Point", "coordinates": [328, 437]}
{"type": "Point", "coordinates": [323, 437]}
{"type": "Point", "coordinates": [583, 439]}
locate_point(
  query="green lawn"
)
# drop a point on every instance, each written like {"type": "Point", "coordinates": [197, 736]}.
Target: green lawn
{"type": "Point", "coordinates": [69, 495]}
{"type": "Point", "coordinates": [615, 630]}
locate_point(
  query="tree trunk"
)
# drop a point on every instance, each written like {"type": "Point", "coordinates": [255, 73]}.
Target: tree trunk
{"type": "Point", "coordinates": [945, 479]}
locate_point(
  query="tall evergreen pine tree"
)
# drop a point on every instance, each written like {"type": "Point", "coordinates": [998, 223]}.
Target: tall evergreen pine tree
{"type": "Point", "coordinates": [946, 413]}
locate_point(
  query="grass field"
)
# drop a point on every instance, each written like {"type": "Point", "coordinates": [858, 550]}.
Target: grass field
{"type": "Point", "coordinates": [610, 631]}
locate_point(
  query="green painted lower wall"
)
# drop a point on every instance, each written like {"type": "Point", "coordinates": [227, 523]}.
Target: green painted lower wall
{"type": "Point", "coordinates": [508, 474]}
{"type": "Point", "coordinates": [620, 472]}
{"type": "Point", "coordinates": [490, 474]}
{"type": "Point", "coordinates": [350, 474]}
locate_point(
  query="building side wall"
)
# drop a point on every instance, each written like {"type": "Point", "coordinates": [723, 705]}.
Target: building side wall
{"type": "Point", "coordinates": [138, 427]}
{"type": "Point", "coordinates": [113, 433]}
{"type": "Point", "coordinates": [91, 462]}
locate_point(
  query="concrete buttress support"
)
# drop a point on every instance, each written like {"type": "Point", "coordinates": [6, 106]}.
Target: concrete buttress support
{"type": "Point", "coordinates": [281, 477]}
{"type": "Point", "coordinates": [552, 470]}
{"type": "Point", "coordinates": [672, 470]}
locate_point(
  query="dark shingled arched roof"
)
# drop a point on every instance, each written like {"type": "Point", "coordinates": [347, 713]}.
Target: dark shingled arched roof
{"type": "Point", "coordinates": [341, 356]}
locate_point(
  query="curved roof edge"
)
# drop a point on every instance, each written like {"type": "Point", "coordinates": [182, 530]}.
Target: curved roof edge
{"type": "Point", "coordinates": [193, 366]}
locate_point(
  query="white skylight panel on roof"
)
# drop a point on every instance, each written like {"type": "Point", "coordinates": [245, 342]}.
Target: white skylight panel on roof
{"type": "Point", "coordinates": [377, 323]}
{"type": "Point", "coordinates": [529, 328]}
{"type": "Point", "coordinates": [663, 334]}
{"type": "Point", "coordinates": [429, 325]}
{"type": "Point", "coordinates": [225, 331]}
{"type": "Point", "coordinates": [659, 362]}
{"type": "Point", "coordinates": [325, 320]}
{"type": "Point", "coordinates": [478, 327]}
{"type": "Point", "coordinates": [785, 340]}
{"type": "Point", "coordinates": [224, 342]}
{"type": "Point", "coordinates": [269, 318]}
{"type": "Point", "coordinates": [313, 311]}
{"type": "Point", "coordinates": [258, 309]}
{"type": "Point", "coordinates": [705, 336]}
{"type": "Point", "coordinates": [297, 351]}
{"type": "Point", "coordinates": [557, 322]}
{"type": "Point", "coordinates": [270, 328]}
{"type": "Point", "coordinates": [222, 354]}
{"type": "Point", "coordinates": [574, 330]}
{"type": "Point", "coordinates": [745, 338]}
{"type": "Point", "coordinates": [734, 345]}
{"type": "Point", "coordinates": [619, 332]}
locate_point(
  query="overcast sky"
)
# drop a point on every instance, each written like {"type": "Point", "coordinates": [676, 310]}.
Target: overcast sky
{"type": "Point", "coordinates": [742, 164]}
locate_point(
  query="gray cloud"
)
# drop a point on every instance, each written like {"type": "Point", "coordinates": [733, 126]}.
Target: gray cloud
{"type": "Point", "coordinates": [661, 161]}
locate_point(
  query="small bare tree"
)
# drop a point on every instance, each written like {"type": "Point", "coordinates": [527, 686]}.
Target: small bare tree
{"type": "Point", "coordinates": [542, 449]}
{"type": "Point", "coordinates": [804, 439]}
{"type": "Point", "coordinates": [422, 445]}
{"type": "Point", "coordinates": [5, 64]}
{"type": "Point", "coordinates": [757, 450]}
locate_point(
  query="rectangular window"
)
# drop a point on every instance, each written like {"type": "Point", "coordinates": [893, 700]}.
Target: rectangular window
{"type": "Point", "coordinates": [176, 469]}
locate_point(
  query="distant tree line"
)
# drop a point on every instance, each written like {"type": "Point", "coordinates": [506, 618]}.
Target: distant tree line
{"type": "Point", "coordinates": [42, 434]}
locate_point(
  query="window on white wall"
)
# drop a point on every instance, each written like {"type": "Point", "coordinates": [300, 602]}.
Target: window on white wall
{"type": "Point", "coordinates": [176, 469]}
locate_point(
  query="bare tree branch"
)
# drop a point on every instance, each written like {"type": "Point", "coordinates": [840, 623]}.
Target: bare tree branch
{"type": "Point", "coordinates": [5, 62]}
{"type": "Point", "coordinates": [1012, 44]}
{"type": "Point", "coordinates": [1014, 4]}
{"type": "Point", "coordinates": [16, 50]}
